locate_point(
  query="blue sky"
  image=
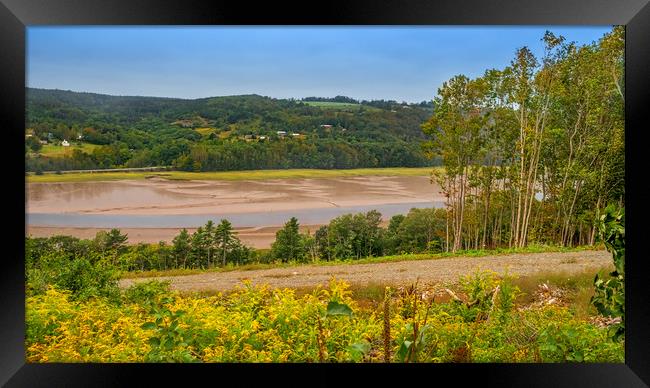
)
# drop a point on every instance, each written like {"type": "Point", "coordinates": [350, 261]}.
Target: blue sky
{"type": "Point", "coordinates": [399, 63]}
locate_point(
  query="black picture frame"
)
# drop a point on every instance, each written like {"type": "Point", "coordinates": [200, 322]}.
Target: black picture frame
{"type": "Point", "coordinates": [15, 15]}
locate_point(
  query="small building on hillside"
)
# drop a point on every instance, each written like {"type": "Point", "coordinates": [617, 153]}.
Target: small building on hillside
{"type": "Point", "coordinates": [326, 126]}
{"type": "Point", "coordinates": [281, 133]}
{"type": "Point", "coordinates": [65, 143]}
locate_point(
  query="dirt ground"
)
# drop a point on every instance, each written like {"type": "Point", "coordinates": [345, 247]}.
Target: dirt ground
{"type": "Point", "coordinates": [427, 272]}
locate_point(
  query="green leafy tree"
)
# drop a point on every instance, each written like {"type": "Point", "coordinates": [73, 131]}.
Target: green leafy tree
{"type": "Point", "coordinates": [321, 242]}
{"type": "Point", "coordinates": [112, 242]}
{"type": "Point", "coordinates": [341, 236]}
{"type": "Point", "coordinates": [369, 233]}
{"type": "Point", "coordinates": [456, 128]}
{"type": "Point", "coordinates": [353, 236]}
{"type": "Point", "coordinates": [391, 236]}
{"type": "Point", "coordinates": [163, 252]}
{"type": "Point", "coordinates": [33, 143]}
{"type": "Point", "coordinates": [421, 230]}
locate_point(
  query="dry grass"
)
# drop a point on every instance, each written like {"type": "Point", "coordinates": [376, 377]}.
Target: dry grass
{"type": "Point", "coordinates": [578, 288]}
{"type": "Point", "coordinates": [193, 271]}
{"type": "Point", "coordinates": [235, 175]}
{"type": "Point", "coordinates": [205, 130]}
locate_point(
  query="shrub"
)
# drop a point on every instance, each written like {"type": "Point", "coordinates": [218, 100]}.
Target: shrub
{"type": "Point", "coordinates": [609, 297]}
{"type": "Point", "coordinates": [83, 278]}
{"type": "Point", "coordinates": [146, 292]}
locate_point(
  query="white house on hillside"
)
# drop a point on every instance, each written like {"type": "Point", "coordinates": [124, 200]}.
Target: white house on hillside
{"type": "Point", "coordinates": [65, 143]}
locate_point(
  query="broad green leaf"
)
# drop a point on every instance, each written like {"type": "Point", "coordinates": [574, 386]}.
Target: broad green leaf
{"type": "Point", "coordinates": [404, 350]}
{"type": "Point", "coordinates": [188, 358]}
{"type": "Point", "coordinates": [335, 308]}
{"type": "Point", "coordinates": [361, 347]}
{"type": "Point", "coordinates": [148, 326]}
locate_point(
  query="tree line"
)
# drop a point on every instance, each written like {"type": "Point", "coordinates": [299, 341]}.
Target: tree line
{"type": "Point", "coordinates": [533, 151]}
{"type": "Point", "coordinates": [382, 104]}
{"type": "Point", "coordinates": [350, 236]}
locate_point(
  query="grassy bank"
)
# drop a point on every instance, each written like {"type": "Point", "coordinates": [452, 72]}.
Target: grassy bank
{"type": "Point", "coordinates": [234, 175]}
{"type": "Point", "coordinates": [368, 260]}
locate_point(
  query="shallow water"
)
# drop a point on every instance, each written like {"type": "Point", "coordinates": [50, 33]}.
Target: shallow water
{"type": "Point", "coordinates": [270, 218]}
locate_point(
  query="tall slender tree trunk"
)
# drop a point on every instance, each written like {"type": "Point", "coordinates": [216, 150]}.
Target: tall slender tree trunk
{"type": "Point", "coordinates": [486, 216]}
{"type": "Point", "coordinates": [567, 222]}
{"type": "Point", "coordinates": [447, 230]}
{"type": "Point", "coordinates": [461, 211]}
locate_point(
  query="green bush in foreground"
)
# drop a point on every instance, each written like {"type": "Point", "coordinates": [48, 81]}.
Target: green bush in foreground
{"type": "Point", "coordinates": [609, 296]}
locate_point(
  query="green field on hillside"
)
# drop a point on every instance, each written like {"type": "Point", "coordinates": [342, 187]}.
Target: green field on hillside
{"type": "Point", "coordinates": [58, 151]}
{"type": "Point", "coordinates": [339, 105]}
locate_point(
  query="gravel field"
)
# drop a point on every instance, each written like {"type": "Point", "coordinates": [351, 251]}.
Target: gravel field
{"type": "Point", "coordinates": [396, 273]}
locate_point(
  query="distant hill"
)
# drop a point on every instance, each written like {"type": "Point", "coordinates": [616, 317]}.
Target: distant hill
{"type": "Point", "coordinates": [144, 126]}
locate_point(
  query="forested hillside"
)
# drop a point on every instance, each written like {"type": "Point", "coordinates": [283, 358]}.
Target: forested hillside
{"type": "Point", "coordinates": [220, 133]}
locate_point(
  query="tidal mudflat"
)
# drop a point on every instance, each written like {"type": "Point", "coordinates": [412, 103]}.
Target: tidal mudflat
{"type": "Point", "coordinates": [156, 209]}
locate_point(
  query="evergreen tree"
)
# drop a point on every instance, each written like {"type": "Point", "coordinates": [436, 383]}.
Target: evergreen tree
{"type": "Point", "coordinates": [210, 239]}
{"type": "Point", "coordinates": [225, 240]}
{"type": "Point", "coordinates": [181, 247]}
{"type": "Point", "coordinates": [289, 243]}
